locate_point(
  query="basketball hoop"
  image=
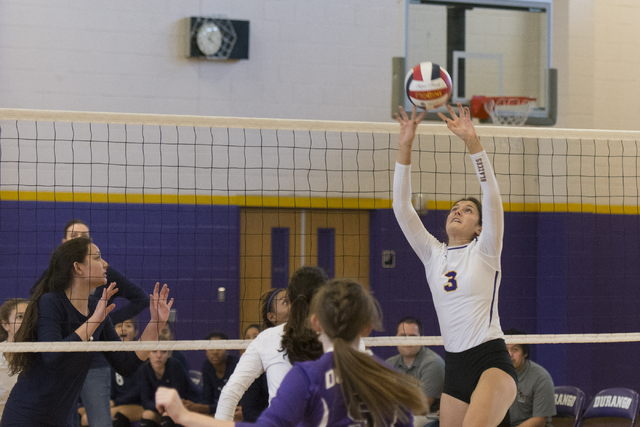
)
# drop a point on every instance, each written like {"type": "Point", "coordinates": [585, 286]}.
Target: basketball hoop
{"type": "Point", "coordinates": [503, 110]}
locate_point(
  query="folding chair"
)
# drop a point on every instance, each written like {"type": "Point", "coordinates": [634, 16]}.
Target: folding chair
{"type": "Point", "coordinates": [569, 406]}
{"type": "Point", "coordinates": [612, 407]}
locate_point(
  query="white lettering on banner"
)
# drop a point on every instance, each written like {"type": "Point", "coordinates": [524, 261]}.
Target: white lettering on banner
{"type": "Point", "coordinates": [565, 399]}
{"type": "Point", "coordinates": [612, 402]}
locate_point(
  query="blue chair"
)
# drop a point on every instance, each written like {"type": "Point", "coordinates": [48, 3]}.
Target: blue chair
{"type": "Point", "coordinates": [612, 407]}
{"type": "Point", "coordinates": [569, 406]}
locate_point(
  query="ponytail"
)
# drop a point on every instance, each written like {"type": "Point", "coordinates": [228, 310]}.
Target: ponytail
{"type": "Point", "coordinates": [344, 310]}
{"type": "Point", "coordinates": [299, 342]}
{"type": "Point", "coordinates": [58, 278]}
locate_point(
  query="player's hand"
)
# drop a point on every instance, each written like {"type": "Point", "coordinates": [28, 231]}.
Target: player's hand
{"type": "Point", "coordinates": [168, 403]}
{"type": "Point", "coordinates": [158, 305]}
{"type": "Point", "coordinates": [104, 308]}
{"type": "Point", "coordinates": [237, 416]}
{"type": "Point", "coordinates": [460, 126]}
{"type": "Point", "coordinates": [408, 125]}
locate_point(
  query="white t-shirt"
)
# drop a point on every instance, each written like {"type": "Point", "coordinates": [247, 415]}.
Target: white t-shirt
{"type": "Point", "coordinates": [6, 382]}
{"type": "Point", "coordinates": [262, 355]}
{"type": "Point", "coordinates": [464, 280]}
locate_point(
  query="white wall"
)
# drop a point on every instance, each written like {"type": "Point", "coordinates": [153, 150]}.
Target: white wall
{"type": "Point", "coordinates": [328, 59]}
{"type": "Point", "coordinates": [602, 63]}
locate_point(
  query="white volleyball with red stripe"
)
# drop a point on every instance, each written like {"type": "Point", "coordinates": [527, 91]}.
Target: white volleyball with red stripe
{"type": "Point", "coordinates": [428, 85]}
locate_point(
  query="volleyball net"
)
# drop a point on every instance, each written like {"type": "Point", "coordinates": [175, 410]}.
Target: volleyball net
{"type": "Point", "coordinates": [224, 209]}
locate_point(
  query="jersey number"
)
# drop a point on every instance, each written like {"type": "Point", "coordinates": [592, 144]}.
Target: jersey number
{"type": "Point", "coordinates": [452, 284]}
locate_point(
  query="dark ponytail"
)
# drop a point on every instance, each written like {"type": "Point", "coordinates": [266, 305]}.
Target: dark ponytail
{"type": "Point", "coordinates": [299, 342]}
{"type": "Point", "coordinates": [58, 278]}
{"type": "Point", "coordinates": [344, 309]}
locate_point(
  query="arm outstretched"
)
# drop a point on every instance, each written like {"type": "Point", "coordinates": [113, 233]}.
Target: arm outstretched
{"type": "Point", "coordinates": [492, 212]}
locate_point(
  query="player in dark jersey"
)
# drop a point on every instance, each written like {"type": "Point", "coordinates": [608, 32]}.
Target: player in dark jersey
{"type": "Point", "coordinates": [345, 387]}
{"type": "Point", "coordinates": [63, 309]}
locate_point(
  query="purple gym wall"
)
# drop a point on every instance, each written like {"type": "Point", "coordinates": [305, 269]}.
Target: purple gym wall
{"type": "Point", "coordinates": [561, 273]}
{"type": "Point", "coordinates": [195, 249]}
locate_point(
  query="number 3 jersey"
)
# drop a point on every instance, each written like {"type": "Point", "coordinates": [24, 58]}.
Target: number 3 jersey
{"type": "Point", "coordinates": [464, 280]}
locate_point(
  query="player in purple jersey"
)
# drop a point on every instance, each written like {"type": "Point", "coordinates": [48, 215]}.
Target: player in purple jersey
{"type": "Point", "coordinates": [464, 278]}
{"type": "Point", "coordinates": [345, 387]}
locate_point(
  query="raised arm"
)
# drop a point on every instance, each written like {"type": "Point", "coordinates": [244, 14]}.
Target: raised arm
{"type": "Point", "coordinates": [408, 128]}
{"type": "Point", "coordinates": [53, 318]}
{"type": "Point", "coordinates": [408, 219]}
{"type": "Point", "coordinates": [490, 240]}
{"type": "Point", "coordinates": [463, 127]}
{"type": "Point", "coordinates": [159, 308]}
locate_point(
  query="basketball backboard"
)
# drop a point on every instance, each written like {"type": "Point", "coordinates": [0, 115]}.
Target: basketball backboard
{"type": "Point", "coordinates": [489, 47]}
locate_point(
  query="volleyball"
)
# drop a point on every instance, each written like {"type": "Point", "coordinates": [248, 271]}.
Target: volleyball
{"type": "Point", "coordinates": [428, 85]}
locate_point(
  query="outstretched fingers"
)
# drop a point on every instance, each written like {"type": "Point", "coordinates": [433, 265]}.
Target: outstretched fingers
{"type": "Point", "coordinates": [403, 113]}
{"type": "Point", "coordinates": [420, 117]}
{"type": "Point", "coordinates": [454, 116]}
{"type": "Point", "coordinates": [110, 291]}
{"type": "Point", "coordinates": [464, 111]}
{"type": "Point", "coordinates": [444, 118]}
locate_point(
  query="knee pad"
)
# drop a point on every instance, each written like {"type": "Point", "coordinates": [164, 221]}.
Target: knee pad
{"type": "Point", "coordinates": [167, 422]}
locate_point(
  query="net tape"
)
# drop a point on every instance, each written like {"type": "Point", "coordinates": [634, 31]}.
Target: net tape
{"type": "Point", "coordinates": [43, 347]}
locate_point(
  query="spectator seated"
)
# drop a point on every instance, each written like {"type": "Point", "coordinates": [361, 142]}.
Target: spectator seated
{"type": "Point", "coordinates": [569, 406]}
{"type": "Point", "coordinates": [612, 407]}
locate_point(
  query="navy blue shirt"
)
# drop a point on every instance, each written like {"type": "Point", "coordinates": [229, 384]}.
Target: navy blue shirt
{"type": "Point", "coordinates": [138, 302]}
{"type": "Point", "coordinates": [212, 385]}
{"type": "Point", "coordinates": [48, 393]}
{"type": "Point", "coordinates": [310, 395]}
{"type": "Point", "coordinates": [255, 399]}
{"type": "Point", "coordinates": [137, 297]}
{"type": "Point", "coordinates": [180, 357]}
{"type": "Point", "coordinates": [174, 377]}
{"type": "Point", "coordinates": [125, 391]}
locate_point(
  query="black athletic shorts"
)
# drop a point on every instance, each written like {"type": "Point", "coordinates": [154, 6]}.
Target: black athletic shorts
{"type": "Point", "coordinates": [462, 370]}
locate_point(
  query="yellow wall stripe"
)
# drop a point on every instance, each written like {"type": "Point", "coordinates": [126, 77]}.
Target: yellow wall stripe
{"type": "Point", "coordinates": [293, 202]}
{"type": "Point", "coordinates": [190, 199]}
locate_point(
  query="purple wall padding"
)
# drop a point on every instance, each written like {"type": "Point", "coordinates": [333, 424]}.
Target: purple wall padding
{"type": "Point", "coordinates": [561, 273]}
{"type": "Point", "coordinates": [279, 257]}
{"type": "Point", "coordinates": [327, 250]}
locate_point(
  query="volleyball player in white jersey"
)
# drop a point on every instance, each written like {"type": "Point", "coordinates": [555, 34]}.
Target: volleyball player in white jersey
{"type": "Point", "coordinates": [464, 278]}
{"type": "Point", "coordinates": [275, 349]}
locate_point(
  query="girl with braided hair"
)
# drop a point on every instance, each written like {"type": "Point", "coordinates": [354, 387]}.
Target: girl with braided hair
{"type": "Point", "coordinates": [345, 387]}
